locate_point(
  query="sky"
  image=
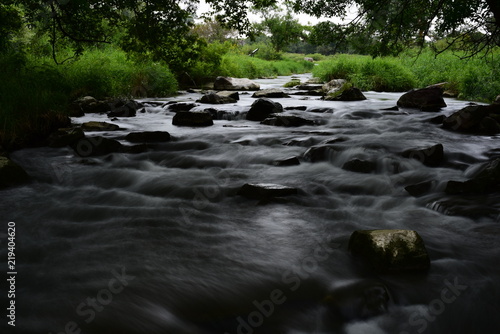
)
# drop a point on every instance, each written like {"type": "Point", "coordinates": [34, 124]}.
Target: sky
{"type": "Point", "coordinates": [303, 18]}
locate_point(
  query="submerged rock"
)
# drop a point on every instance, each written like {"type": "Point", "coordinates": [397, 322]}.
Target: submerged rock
{"type": "Point", "coordinates": [475, 119]}
{"type": "Point", "coordinates": [292, 161]}
{"type": "Point", "coordinates": [425, 99]}
{"type": "Point", "coordinates": [148, 137]}
{"type": "Point", "coordinates": [124, 108]}
{"type": "Point", "coordinates": [266, 190]}
{"type": "Point", "coordinates": [193, 118]}
{"type": "Point", "coordinates": [11, 174]}
{"type": "Point", "coordinates": [358, 300]}
{"type": "Point", "coordinates": [486, 180]}
{"type": "Point", "coordinates": [286, 121]}
{"type": "Point", "coordinates": [430, 156]}
{"type": "Point", "coordinates": [270, 93]}
{"type": "Point", "coordinates": [417, 190]}
{"type": "Point", "coordinates": [99, 126]}
{"type": "Point", "coordinates": [391, 250]}
{"type": "Point", "coordinates": [227, 83]}
{"type": "Point", "coordinates": [262, 108]}
{"type": "Point", "coordinates": [321, 153]}
{"type": "Point", "coordinates": [360, 166]}
{"type": "Point", "coordinates": [96, 146]}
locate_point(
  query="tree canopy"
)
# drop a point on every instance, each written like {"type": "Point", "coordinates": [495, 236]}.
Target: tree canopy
{"type": "Point", "coordinates": [161, 29]}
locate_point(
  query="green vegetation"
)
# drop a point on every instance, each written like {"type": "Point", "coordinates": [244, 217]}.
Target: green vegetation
{"type": "Point", "coordinates": [473, 79]}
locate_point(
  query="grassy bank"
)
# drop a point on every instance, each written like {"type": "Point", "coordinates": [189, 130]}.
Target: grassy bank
{"type": "Point", "coordinates": [36, 93]}
{"type": "Point", "coordinates": [475, 79]}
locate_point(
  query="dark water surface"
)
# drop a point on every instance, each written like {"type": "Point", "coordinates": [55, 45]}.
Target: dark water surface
{"type": "Point", "coordinates": [159, 242]}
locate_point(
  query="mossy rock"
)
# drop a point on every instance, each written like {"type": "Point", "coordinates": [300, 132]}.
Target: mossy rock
{"type": "Point", "coordinates": [391, 250]}
{"type": "Point", "coordinates": [292, 83]}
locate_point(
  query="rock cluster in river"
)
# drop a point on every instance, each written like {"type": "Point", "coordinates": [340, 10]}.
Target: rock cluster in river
{"type": "Point", "coordinates": [227, 83]}
{"type": "Point", "coordinates": [476, 119]}
{"type": "Point", "coordinates": [193, 119]}
{"type": "Point", "coordinates": [262, 109]}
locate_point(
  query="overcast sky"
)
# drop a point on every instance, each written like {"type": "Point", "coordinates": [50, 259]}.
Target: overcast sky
{"type": "Point", "coordinates": [303, 18]}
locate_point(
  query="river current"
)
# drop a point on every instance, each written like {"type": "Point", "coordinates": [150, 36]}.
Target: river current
{"type": "Point", "coordinates": [160, 241]}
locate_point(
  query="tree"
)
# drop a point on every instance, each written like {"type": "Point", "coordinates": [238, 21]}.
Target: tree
{"type": "Point", "coordinates": [283, 30]}
{"type": "Point", "coordinates": [393, 24]}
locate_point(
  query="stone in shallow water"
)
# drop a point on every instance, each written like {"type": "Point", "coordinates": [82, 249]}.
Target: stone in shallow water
{"type": "Point", "coordinates": [270, 93]}
{"type": "Point", "coordinates": [266, 190]}
{"type": "Point", "coordinates": [262, 109]}
{"type": "Point", "coordinates": [391, 250]}
{"type": "Point", "coordinates": [148, 137]}
{"type": "Point", "coordinates": [99, 126]}
{"type": "Point", "coordinates": [425, 99]}
{"type": "Point", "coordinates": [358, 300]}
{"type": "Point", "coordinates": [193, 118]}
{"type": "Point", "coordinates": [360, 166]}
{"type": "Point", "coordinates": [430, 156]}
{"type": "Point", "coordinates": [292, 161]}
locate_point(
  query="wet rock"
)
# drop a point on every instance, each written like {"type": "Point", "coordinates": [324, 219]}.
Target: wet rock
{"type": "Point", "coordinates": [430, 156]}
{"type": "Point", "coordinates": [302, 108]}
{"type": "Point", "coordinates": [475, 119]}
{"type": "Point", "coordinates": [310, 87]}
{"type": "Point", "coordinates": [65, 137]}
{"type": "Point", "coordinates": [497, 100]}
{"type": "Point", "coordinates": [11, 174]}
{"type": "Point", "coordinates": [436, 120]}
{"type": "Point", "coordinates": [391, 250]}
{"type": "Point", "coordinates": [90, 105]}
{"type": "Point", "coordinates": [214, 98]}
{"type": "Point", "coordinates": [334, 86]}
{"type": "Point", "coordinates": [270, 93]}
{"type": "Point", "coordinates": [348, 94]}
{"type": "Point", "coordinates": [420, 189]}
{"type": "Point", "coordinates": [226, 83]}
{"type": "Point", "coordinates": [292, 161]}
{"type": "Point", "coordinates": [148, 137]}
{"type": "Point", "coordinates": [286, 121]}
{"type": "Point", "coordinates": [96, 146]}
{"type": "Point", "coordinates": [292, 83]}
{"type": "Point", "coordinates": [320, 110]}
{"type": "Point", "coordinates": [99, 126]}
{"type": "Point", "coordinates": [232, 94]}
{"type": "Point", "coordinates": [181, 106]}
{"type": "Point", "coordinates": [262, 108]}
{"type": "Point", "coordinates": [124, 108]}
{"type": "Point", "coordinates": [486, 180]}
{"type": "Point", "coordinates": [193, 118]}
{"type": "Point", "coordinates": [425, 99]}
{"type": "Point", "coordinates": [321, 153]}
{"type": "Point", "coordinates": [266, 190]}
{"type": "Point", "coordinates": [314, 81]}
{"type": "Point", "coordinates": [360, 166]}
{"type": "Point", "coordinates": [358, 300]}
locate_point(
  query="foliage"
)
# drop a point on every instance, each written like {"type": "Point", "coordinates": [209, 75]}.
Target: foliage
{"type": "Point", "coordinates": [477, 78]}
{"type": "Point", "coordinates": [282, 29]}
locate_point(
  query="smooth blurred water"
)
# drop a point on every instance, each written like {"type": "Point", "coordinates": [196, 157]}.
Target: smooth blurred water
{"type": "Point", "coordinates": [160, 242]}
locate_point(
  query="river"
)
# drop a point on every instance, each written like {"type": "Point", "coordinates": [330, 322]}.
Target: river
{"type": "Point", "coordinates": [160, 241]}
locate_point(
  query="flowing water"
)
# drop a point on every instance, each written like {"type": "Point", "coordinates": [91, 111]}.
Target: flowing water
{"type": "Point", "coordinates": [160, 242]}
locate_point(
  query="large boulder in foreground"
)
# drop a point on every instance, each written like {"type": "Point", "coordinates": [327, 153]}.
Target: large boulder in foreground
{"type": "Point", "coordinates": [425, 99]}
{"type": "Point", "coordinates": [11, 174]}
{"type": "Point", "coordinates": [193, 118]}
{"type": "Point", "coordinates": [475, 119]}
{"type": "Point", "coordinates": [391, 250]}
{"type": "Point", "coordinates": [262, 109]}
{"type": "Point", "coordinates": [227, 83]}
{"type": "Point", "coordinates": [430, 156]}
{"type": "Point", "coordinates": [262, 191]}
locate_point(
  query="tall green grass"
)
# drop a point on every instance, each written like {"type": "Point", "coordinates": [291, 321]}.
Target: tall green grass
{"type": "Point", "coordinates": [475, 79]}
{"type": "Point", "coordinates": [243, 66]}
{"type": "Point", "coordinates": [35, 88]}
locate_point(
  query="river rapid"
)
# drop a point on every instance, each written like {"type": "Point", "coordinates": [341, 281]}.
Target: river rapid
{"type": "Point", "coordinates": [160, 241]}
